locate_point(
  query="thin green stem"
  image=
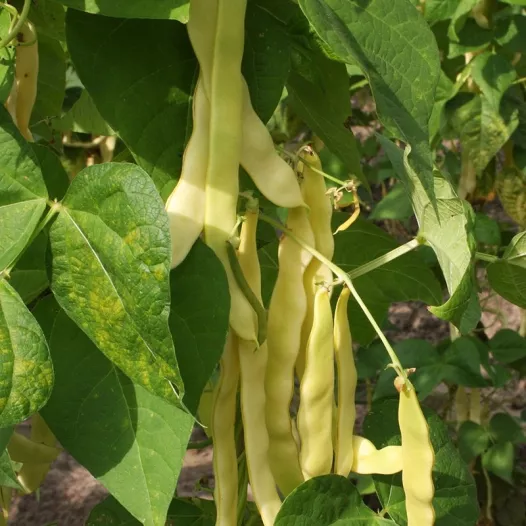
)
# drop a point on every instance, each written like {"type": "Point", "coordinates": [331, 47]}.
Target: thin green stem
{"type": "Point", "coordinates": [486, 257]}
{"type": "Point", "coordinates": [345, 278]}
{"type": "Point", "coordinates": [489, 496]}
{"type": "Point", "coordinates": [200, 445]}
{"type": "Point", "coordinates": [519, 81]}
{"type": "Point", "coordinates": [296, 157]}
{"type": "Point", "coordinates": [386, 258]}
{"type": "Point", "coordinates": [18, 25]}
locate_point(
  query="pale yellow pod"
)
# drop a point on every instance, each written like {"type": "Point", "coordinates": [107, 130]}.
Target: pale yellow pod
{"type": "Point", "coordinates": [475, 406]}
{"type": "Point", "coordinates": [10, 103]}
{"type": "Point", "coordinates": [186, 204]}
{"type": "Point", "coordinates": [26, 77]}
{"type": "Point", "coordinates": [23, 449]}
{"type": "Point", "coordinates": [220, 60]}
{"type": "Point", "coordinates": [367, 460]}
{"type": "Point", "coordinates": [320, 216]}
{"type": "Point", "coordinates": [253, 363]}
{"type": "Point", "coordinates": [347, 379]}
{"type": "Point", "coordinates": [223, 433]}
{"type": "Point", "coordinates": [274, 178]}
{"type": "Point", "coordinates": [418, 460]}
{"type": "Point", "coordinates": [287, 310]}
{"type": "Point", "coordinates": [316, 392]}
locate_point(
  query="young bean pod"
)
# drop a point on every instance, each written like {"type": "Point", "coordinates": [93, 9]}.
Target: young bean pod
{"type": "Point", "coordinates": [320, 215]}
{"type": "Point", "coordinates": [418, 458]}
{"type": "Point", "coordinates": [316, 392]}
{"type": "Point", "coordinates": [347, 379]}
{"type": "Point", "coordinates": [287, 310]}
{"type": "Point", "coordinates": [186, 204]}
{"type": "Point", "coordinates": [223, 433]}
{"type": "Point", "coordinates": [253, 366]}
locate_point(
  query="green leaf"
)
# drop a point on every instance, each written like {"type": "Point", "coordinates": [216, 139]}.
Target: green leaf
{"type": "Point", "coordinates": [198, 318]}
{"type": "Point", "coordinates": [403, 72]}
{"type": "Point", "coordinates": [29, 276]}
{"type": "Point", "coordinates": [482, 130]}
{"type": "Point", "coordinates": [450, 235]}
{"type": "Point", "coordinates": [181, 513]}
{"type": "Point", "coordinates": [27, 371]}
{"type": "Point", "coordinates": [130, 440]}
{"type": "Point", "coordinates": [147, 97]}
{"type": "Point", "coordinates": [8, 476]}
{"type": "Point", "coordinates": [266, 59]}
{"type": "Point", "coordinates": [487, 230]}
{"type": "Point", "coordinates": [55, 177]}
{"type": "Point", "coordinates": [314, 78]}
{"type": "Point", "coordinates": [473, 440]}
{"type": "Point", "coordinates": [84, 117]}
{"type": "Point", "coordinates": [508, 346]}
{"type": "Point", "coordinates": [455, 500]}
{"type": "Point", "coordinates": [162, 9]}
{"type": "Point", "coordinates": [510, 33]}
{"type": "Point", "coordinates": [23, 193]}
{"type": "Point", "coordinates": [110, 271]}
{"type": "Point", "coordinates": [494, 74]}
{"type": "Point", "coordinates": [505, 428]}
{"type": "Point", "coordinates": [49, 18]}
{"type": "Point", "coordinates": [437, 10]}
{"type": "Point", "coordinates": [507, 276]}
{"type": "Point", "coordinates": [325, 501]}
{"type": "Point", "coordinates": [51, 83]}
{"type": "Point", "coordinates": [459, 17]}
{"type": "Point", "coordinates": [499, 460]}
{"type": "Point", "coordinates": [7, 59]}
{"type": "Point", "coordinates": [110, 513]}
{"type": "Point", "coordinates": [395, 205]}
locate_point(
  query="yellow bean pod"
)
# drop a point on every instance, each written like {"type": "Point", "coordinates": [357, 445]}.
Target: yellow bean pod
{"type": "Point", "coordinates": [418, 458]}
{"type": "Point", "coordinates": [186, 204]}
{"type": "Point", "coordinates": [287, 310]}
{"type": "Point", "coordinates": [26, 78]}
{"type": "Point", "coordinates": [367, 460]}
{"type": "Point", "coordinates": [23, 449]}
{"type": "Point", "coordinates": [274, 178]}
{"type": "Point", "coordinates": [316, 392]}
{"type": "Point", "coordinates": [223, 433]}
{"type": "Point", "coordinates": [320, 216]}
{"type": "Point", "coordinates": [253, 364]}
{"type": "Point", "coordinates": [347, 379]}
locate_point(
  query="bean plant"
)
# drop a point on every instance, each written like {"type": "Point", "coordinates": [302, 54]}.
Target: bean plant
{"type": "Point", "coordinates": [207, 210]}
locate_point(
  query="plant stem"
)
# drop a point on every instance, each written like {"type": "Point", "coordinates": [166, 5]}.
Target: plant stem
{"type": "Point", "coordinates": [18, 25]}
{"type": "Point", "coordinates": [489, 496]}
{"type": "Point", "coordinates": [47, 218]}
{"type": "Point", "coordinates": [344, 277]}
{"type": "Point", "coordinates": [486, 257]}
{"type": "Point", "coordinates": [386, 258]}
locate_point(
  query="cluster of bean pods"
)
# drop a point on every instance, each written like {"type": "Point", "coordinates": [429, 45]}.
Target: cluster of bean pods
{"type": "Point", "coordinates": [299, 337]}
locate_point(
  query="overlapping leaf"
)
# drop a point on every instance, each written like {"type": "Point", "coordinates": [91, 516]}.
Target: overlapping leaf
{"type": "Point", "coordinates": [450, 234]}
{"type": "Point", "coordinates": [23, 193]}
{"type": "Point", "coordinates": [198, 318]}
{"type": "Point", "coordinates": [26, 371]}
{"type": "Point", "coordinates": [147, 97]}
{"type": "Point", "coordinates": [132, 441]}
{"type": "Point", "coordinates": [508, 275]}
{"type": "Point", "coordinates": [163, 9]}
{"type": "Point", "coordinates": [110, 272]}
{"type": "Point", "coordinates": [397, 51]}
